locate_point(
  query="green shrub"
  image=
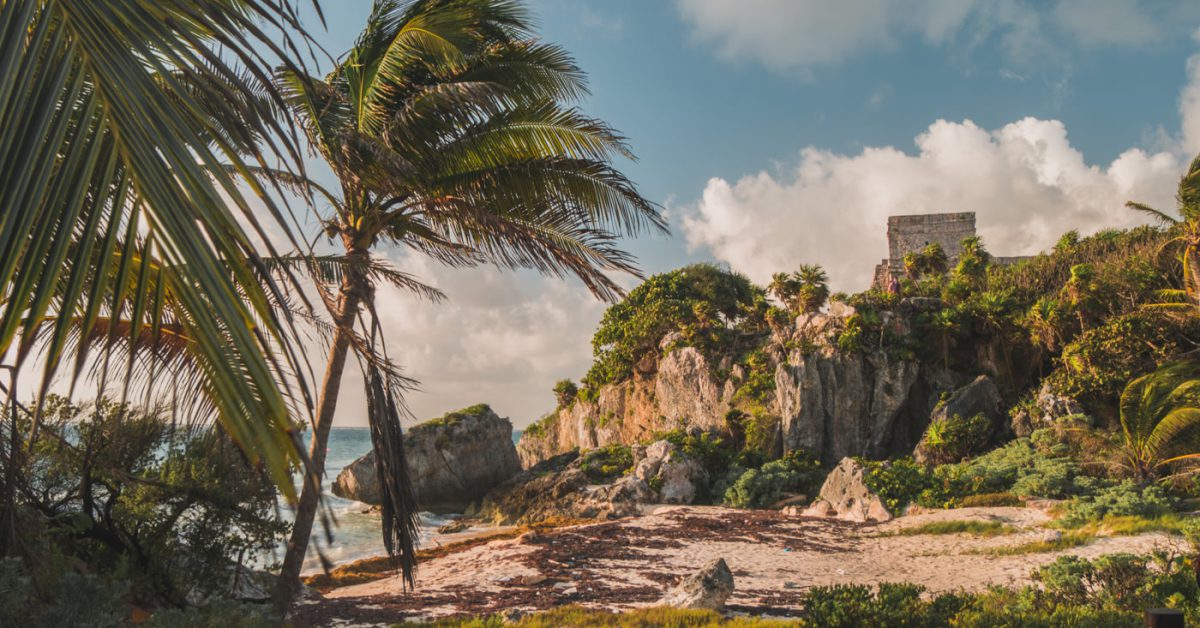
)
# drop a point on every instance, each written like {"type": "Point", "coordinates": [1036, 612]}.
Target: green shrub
{"type": "Point", "coordinates": [1054, 478]}
{"type": "Point", "coordinates": [758, 488]}
{"type": "Point", "coordinates": [215, 614]}
{"type": "Point", "coordinates": [990, 500]}
{"type": "Point", "coordinates": [1124, 499]}
{"type": "Point", "coordinates": [897, 482]}
{"type": "Point", "coordinates": [1018, 468]}
{"type": "Point", "coordinates": [607, 463]}
{"type": "Point", "coordinates": [953, 438]}
{"type": "Point", "coordinates": [705, 304]}
{"type": "Point", "coordinates": [565, 392]}
{"type": "Point", "coordinates": [72, 600]}
{"type": "Point", "coordinates": [891, 604]}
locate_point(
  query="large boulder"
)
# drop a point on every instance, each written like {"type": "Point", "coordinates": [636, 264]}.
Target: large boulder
{"type": "Point", "coordinates": [845, 496]}
{"type": "Point", "coordinates": [706, 589]}
{"type": "Point", "coordinates": [453, 461]}
{"type": "Point", "coordinates": [979, 398]}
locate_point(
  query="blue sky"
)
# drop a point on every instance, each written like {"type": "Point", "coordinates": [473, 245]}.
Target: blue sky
{"type": "Point", "coordinates": [777, 132]}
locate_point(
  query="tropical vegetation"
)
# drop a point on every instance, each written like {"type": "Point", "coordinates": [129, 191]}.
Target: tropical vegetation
{"type": "Point", "coordinates": [452, 132]}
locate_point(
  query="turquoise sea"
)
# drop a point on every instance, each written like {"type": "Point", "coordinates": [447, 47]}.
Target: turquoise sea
{"type": "Point", "coordinates": [356, 532]}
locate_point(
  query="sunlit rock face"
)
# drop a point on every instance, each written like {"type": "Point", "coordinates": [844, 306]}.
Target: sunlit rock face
{"type": "Point", "coordinates": [837, 405]}
{"type": "Point", "coordinates": [453, 461]}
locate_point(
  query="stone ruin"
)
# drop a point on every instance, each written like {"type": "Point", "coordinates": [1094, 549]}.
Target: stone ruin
{"type": "Point", "coordinates": [910, 234]}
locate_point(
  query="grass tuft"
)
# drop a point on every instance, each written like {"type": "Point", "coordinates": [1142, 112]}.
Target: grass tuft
{"type": "Point", "coordinates": [580, 617]}
{"type": "Point", "coordinates": [961, 526]}
{"type": "Point", "coordinates": [1066, 541]}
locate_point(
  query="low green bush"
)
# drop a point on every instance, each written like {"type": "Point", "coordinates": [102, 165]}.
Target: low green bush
{"type": "Point", "coordinates": [605, 464]}
{"type": "Point", "coordinates": [758, 488]}
{"type": "Point", "coordinates": [897, 482]}
{"type": "Point", "coordinates": [953, 438]}
{"type": "Point", "coordinates": [891, 604]}
{"type": "Point", "coordinates": [1122, 500]}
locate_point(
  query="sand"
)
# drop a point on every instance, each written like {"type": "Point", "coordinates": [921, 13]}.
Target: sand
{"type": "Point", "coordinates": [774, 558]}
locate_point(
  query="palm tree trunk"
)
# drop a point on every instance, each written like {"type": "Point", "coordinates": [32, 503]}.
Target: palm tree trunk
{"type": "Point", "coordinates": [289, 575]}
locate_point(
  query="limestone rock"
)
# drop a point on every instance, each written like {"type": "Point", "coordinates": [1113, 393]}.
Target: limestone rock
{"type": "Point", "coordinates": [838, 404]}
{"type": "Point", "coordinates": [979, 397]}
{"type": "Point", "coordinates": [677, 476]}
{"type": "Point", "coordinates": [453, 461]}
{"type": "Point", "coordinates": [845, 496]}
{"type": "Point", "coordinates": [708, 588]}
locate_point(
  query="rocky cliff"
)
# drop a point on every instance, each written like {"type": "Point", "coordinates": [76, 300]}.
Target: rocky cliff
{"type": "Point", "coordinates": [453, 461]}
{"type": "Point", "coordinates": [827, 400]}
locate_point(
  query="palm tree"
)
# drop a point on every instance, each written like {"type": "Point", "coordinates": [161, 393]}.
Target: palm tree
{"type": "Point", "coordinates": [450, 131]}
{"type": "Point", "coordinates": [127, 131]}
{"type": "Point", "coordinates": [813, 290]}
{"type": "Point", "coordinates": [784, 287]}
{"type": "Point", "coordinates": [1185, 229]}
{"type": "Point", "coordinates": [1155, 410]}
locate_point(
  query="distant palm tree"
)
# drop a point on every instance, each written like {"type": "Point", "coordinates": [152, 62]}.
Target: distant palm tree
{"type": "Point", "coordinates": [450, 131]}
{"type": "Point", "coordinates": [1080, 291]}
{"type": "Point", "coordinates": [784, 287]}
{"type": "Point", "coordinates": [1155, 410]}
{"type": "Point", "coordinates": [813, 289]}
{"type": "Point", "coordinates": [128, 132]}
{"type": "Point", "coordinates": [1185, 231]}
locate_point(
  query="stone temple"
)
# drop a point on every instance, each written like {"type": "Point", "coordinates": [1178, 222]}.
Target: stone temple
{"type": "Point", "coordinates": [910, 234]}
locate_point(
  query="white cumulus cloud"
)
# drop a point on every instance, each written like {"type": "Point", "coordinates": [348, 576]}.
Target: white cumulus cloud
{"type": "Point", "coordinates": [500, 338]}
{"type": "Point", "coordinates": [1025, 182]}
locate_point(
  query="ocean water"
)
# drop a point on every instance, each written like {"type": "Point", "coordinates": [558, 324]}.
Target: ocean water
{"type": "Point", "coordinates": [356, 531]}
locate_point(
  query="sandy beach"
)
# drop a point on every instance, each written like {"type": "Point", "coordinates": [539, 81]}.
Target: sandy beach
{"type": "Point", "coordinates": [774, 558]}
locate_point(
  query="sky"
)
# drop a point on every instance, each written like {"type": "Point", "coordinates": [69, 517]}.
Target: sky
{"type": "Point", "coordinates": [781, 132]}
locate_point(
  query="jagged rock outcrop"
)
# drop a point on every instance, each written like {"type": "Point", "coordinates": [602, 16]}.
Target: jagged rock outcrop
{"type": "Point", "coordinates": [845, 496]}
{"type": "Point", "coordinates": [707, 589]}
{"type": "Point", "coordinates": [453, 461]}
{"type": "Point", "coordinates": [682, 391]}
{"type": "Point", "coordinates": [826, 400]}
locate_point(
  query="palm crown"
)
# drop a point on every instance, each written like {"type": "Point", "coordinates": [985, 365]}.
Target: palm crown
{"type": "Point", "coordinates": [451, 132]}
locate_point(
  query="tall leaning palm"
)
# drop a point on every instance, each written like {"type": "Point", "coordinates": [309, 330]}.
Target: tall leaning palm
{"type": "Point", "coordinates": [128, 129]}
{"type": "Point", "coordinates": [451, 131]}
{"type": "Point", "coordinates": [1186, 234]}
{"type": "Point", "coordinates": [1156, 409]}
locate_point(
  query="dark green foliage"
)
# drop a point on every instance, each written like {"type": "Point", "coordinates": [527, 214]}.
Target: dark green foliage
{"type": "Point", "coordinates": [216, 614]}
{"type": "Point", "coordinates": [897, 482]}
{"type": "Point", "coordinates": [605, 464]}
{"type": "Point", "coordinates": [170, 508]}
{"type": "Point", "coordinates": [891, 604]}
{"type": "Point", "coordinates": [953, 438]}
{"type": "Point", "coordinates": [71, 600]}
{"type": "Point", "coordinates": [1121, 582]}
{"type": "Point", "coordinates": [710, 308]}
{"type": "Point", "coordinates": [796, 473]}
{"type": "Point", "coordinates": [1096, 366]}
{"type": "Point", "coordinates": [565, 392]}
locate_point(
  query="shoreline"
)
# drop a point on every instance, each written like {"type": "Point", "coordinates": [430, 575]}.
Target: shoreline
{"type": "Point", "coordinates": [629, 563]}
